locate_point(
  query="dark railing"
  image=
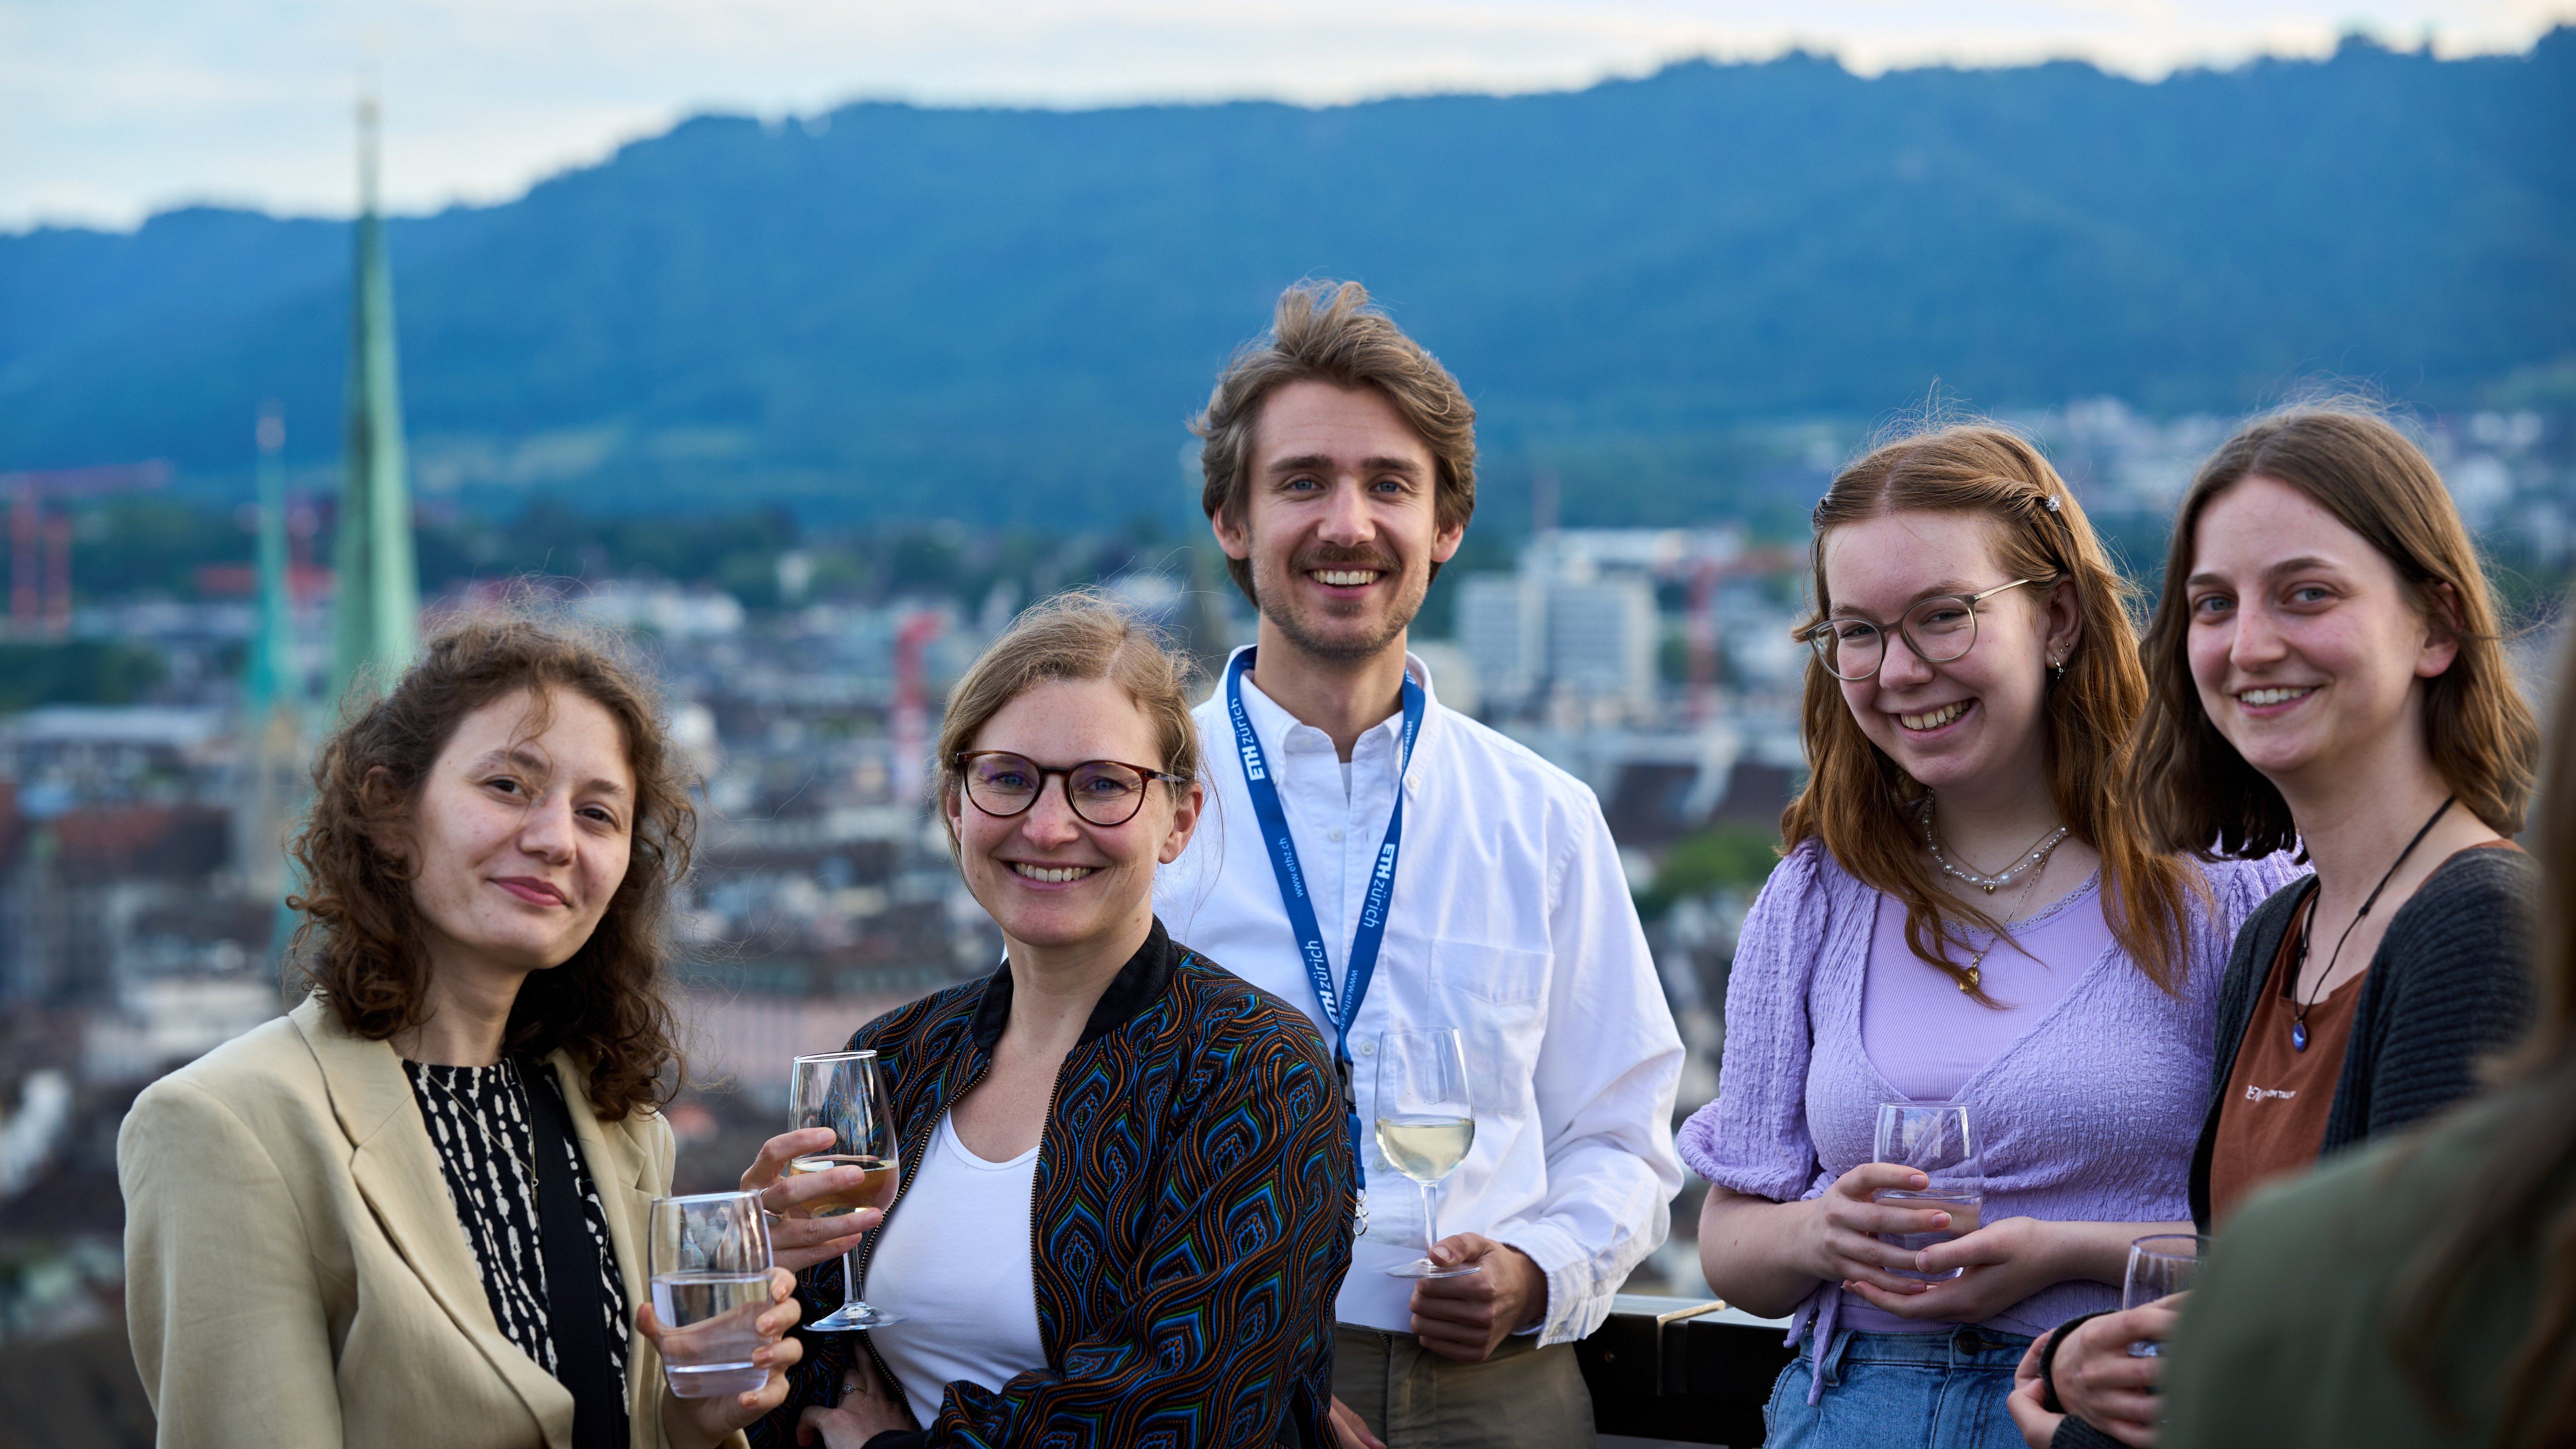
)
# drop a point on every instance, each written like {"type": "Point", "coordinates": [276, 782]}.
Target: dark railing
{"type": "Point", "coordinates": [1691, 1370]}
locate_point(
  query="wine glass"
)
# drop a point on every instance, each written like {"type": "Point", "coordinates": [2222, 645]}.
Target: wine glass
{"type": "Point", "coordinates": [846, 1092]}
{"type": "Point", "coordinates": [2160, 1265]}
{"type": "Point", "coordinates": [1932, 1138]}
{"type": "Point", "coordinates": [1425, 1124]}
{"type": "Point", "coordinates": [708, 1260]}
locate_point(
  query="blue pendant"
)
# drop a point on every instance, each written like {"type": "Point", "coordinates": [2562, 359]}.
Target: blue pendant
{"type": "Point", "coordinates": [2298, 1036]}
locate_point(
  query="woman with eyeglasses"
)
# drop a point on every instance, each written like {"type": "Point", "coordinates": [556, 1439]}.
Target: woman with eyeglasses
{"type": "Point", "coordinates": [1968, 911]}
{"type": "Point", "coordinates": [1125, 1201]}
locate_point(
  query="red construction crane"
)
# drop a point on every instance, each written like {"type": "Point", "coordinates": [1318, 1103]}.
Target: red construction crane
{"type": "Point", "coordinates": [909, 721]}
{"type": "Point", "coordinates": [40, 546]}
{"type": "Point", "coordinates": [1700, 626]}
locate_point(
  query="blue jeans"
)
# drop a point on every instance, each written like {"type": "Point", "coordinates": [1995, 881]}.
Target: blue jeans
{"type": "Point", "coordinates": [1901, 1391]}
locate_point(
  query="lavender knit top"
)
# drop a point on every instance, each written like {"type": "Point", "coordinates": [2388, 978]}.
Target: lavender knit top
{"type": "Point", "coordinates": [2089, 1116]}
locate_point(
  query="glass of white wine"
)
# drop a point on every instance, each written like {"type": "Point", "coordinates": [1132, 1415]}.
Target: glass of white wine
{"type": "Point", "coordinates": [708, 1261]}
{"type": "Point", "coordinates": [1425, 1124]}
{"type": "Point", "coordinates": [846, 1092]}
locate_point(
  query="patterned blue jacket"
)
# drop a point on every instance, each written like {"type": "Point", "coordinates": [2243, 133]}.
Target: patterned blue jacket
{"type": "Point", "coordinates": [1191, 1217]}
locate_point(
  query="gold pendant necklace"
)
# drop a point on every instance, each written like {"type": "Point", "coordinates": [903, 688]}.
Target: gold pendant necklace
{"type": "Point", "coordinates": [1975, 976]}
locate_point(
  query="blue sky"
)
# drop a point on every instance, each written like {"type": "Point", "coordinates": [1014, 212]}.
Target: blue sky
{"type": "Point", "coordinates": [111, 109]}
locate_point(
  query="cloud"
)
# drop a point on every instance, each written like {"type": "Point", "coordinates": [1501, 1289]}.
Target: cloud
{"type": "Point", "coordinates": [112, 108]}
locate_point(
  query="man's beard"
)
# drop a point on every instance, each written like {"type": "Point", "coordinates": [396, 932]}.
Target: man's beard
{"type": "Point", "coordinates": [1343, 649]}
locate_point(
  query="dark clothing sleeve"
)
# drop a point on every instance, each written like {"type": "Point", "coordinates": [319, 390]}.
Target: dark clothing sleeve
{"type": "Point", "coordinates": [2072, 1433]}
{"type": "Point", "coordinates": [2450, 985]}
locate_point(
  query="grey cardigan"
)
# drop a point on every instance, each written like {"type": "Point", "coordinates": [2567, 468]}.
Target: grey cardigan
{"type": "Point", "coordinates": [2450, 983]}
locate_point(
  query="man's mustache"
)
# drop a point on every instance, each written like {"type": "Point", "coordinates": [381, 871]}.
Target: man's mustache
{"type": "Point", "coordinates": [1345, 558]}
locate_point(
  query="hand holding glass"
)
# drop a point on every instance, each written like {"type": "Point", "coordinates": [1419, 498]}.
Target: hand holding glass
{"type": "Point", "coordinates": [1932, 1138]}
{"type": "Point", "coordinates": [845, 1091]}
{"type": "Point", "coordinates": [708, 1257]}
{"type": "Point", "coordinates": [2160, 1265]}
{"type": "Point", "coordinates": [1425, 1124]}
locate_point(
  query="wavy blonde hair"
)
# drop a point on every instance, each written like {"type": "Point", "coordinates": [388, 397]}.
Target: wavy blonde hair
{"type": "Point", "coordinates": [1864, 807]}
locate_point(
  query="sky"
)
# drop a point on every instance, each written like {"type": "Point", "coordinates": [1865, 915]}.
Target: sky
{"type": "Point", "coordinates": [113, 109]}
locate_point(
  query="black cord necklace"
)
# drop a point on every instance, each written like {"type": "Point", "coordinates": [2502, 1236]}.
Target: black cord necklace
{"type": "Point", "coordinates": [2308, 929]}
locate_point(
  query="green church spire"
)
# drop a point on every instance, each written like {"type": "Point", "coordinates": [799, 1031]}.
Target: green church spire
{"type": "Point", "coordinates": [269, 682]}
{"type": "Point", "coordinates": [378, 596]}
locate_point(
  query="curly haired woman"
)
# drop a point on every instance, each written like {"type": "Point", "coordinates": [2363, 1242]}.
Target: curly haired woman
{"type": "Point", "coordinates": [411, 1211]}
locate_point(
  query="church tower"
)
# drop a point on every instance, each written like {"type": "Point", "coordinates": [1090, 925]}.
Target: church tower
{"type": "Point", "coordinates": [377, 600]}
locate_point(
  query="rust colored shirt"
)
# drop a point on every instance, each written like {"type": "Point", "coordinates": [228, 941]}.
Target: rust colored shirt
{"type": "Point", "coordinates": [2274, 1117]}
{"type": "Point", "coordinates": [2273, 1120]}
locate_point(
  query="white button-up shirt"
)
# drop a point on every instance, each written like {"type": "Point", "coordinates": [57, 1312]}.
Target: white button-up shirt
{"type": "Point", "coordinates": [1510, 921]}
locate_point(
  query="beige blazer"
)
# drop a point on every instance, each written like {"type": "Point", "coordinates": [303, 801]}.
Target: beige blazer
{"type": "Point", "coordinates": [295, 1271]}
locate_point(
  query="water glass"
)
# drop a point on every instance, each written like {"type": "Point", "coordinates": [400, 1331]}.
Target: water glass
{"type": "Point", "coordinates": [708, 1257]}
{"type": "Point", "coordinates": [1425, 1124]}
{"type": "Point", "coordinates": [846, 1092]}
{"type": "Point", "coordinates": [2160, 1265]}
{"type": "Point", "coordinates": [1933, 1139]}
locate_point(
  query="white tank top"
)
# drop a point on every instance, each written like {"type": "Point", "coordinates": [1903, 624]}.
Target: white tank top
{"type": "Point", "coordinates": [955, 1263]}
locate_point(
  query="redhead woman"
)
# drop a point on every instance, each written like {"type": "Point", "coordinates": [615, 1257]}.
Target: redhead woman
{"type": "Point", "coordinates": [1126, 1186]}
{"type": "Point", "coordinates": [1969, 912]}
{"type": "Point", "coordinates": [412, 1211]}
{"type": "Point", "coordinates": [2329, 674]}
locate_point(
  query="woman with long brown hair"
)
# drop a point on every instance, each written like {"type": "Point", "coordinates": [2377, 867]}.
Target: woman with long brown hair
{"type": "Point", "coordinates": [2420, 1291]}
{"type": "Point", "coordinates": [1968, 912]}
{"type": "Point", "coordinates": [412, 1210]}
{"type": "Point", "coordinates": [2329, 673]}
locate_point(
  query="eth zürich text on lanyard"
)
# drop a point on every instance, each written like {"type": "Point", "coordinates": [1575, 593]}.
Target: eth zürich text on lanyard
{"type": "Point", "coordinates": [1342, 1006]}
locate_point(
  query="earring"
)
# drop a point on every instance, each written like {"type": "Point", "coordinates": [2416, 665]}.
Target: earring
{"type": "Point", "coordinates": [2058, 664]}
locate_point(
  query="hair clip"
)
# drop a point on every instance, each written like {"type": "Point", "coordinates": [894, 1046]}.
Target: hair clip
{"type": "Point", "coordinates": [2049, 500]}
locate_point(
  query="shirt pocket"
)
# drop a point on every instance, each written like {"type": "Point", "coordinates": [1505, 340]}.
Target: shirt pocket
{"type": "Point", "coordinates": [1498, 974]}
{"type": "Point", "coordinates": [1497, 998]}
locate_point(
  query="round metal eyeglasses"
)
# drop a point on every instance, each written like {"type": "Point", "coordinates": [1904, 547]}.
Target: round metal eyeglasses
{"type": "Point", "coordinates": [1938, 629]}
{"type": "Point", "coordinates": [1103, 792]}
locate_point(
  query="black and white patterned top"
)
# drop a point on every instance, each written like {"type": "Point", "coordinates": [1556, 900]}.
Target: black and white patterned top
{"type": "Point", "coordinates": [479, 1119]}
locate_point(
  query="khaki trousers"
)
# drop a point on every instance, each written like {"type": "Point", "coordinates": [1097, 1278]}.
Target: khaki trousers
{"type": "Point", "coordinates": [1524, 1397]}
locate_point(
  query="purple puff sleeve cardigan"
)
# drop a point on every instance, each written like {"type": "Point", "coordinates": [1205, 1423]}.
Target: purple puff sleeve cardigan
{"type": "Point", "coordinates": [2088, 1116]}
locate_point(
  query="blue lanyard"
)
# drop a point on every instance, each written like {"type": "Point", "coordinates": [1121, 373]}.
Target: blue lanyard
{"type": "Point", "coordinates": [1341, 1008]}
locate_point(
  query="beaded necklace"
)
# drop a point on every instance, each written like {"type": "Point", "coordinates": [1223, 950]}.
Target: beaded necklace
{"type": "Point", "coordinates": [2029, 861]}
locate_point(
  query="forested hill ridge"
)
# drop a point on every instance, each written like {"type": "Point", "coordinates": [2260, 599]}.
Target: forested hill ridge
{"type": "Point", "coordinates": [1006, 315]}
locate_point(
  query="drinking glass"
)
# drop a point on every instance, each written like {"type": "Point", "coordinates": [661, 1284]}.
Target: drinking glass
{"type": "Point", "coordinates": [1425, 1124]}
{"type": "Point", "coordinates": [2160, 1265]}
{"type": "Point", "coordinates": [1932, 1138]}
{"type": "Point", "coordinates": [708, 1258]}
{"type": "Point", "coordinates": [846, 1092]}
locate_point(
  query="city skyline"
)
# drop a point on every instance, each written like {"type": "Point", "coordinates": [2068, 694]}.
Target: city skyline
{"type": "Point", "coordinates": [121, 109]}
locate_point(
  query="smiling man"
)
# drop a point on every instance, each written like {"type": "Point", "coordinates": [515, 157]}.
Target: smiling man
{"type": "Point", "coordinates": [1390, 866]}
